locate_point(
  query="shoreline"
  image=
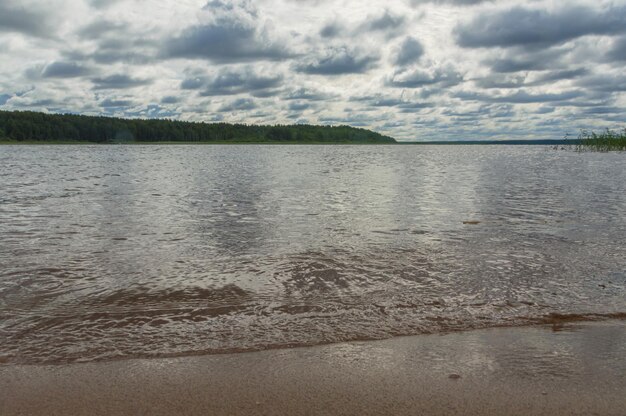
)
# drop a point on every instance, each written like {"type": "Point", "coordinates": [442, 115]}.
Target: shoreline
{"type": "Point", "coordinates": [571, 368]}
{"type": "Point", "coordinates": [169, 143]}
{"type": "Point", "coordinates": [166, 143]}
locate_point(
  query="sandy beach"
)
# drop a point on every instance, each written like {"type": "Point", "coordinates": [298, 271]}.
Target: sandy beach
{"type": "Point", "coordinates": [577, 368]}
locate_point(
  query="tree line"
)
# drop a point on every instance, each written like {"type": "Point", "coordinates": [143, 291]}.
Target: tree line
{"type": "Point", "coordinates": [21, 126]}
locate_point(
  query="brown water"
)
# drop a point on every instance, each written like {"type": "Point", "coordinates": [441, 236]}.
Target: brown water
{"type": "Point", "coordinates": [142, 251]}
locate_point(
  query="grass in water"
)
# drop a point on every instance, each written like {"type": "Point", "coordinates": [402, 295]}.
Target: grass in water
{"type": "Point", "coordinates": [605, 141]}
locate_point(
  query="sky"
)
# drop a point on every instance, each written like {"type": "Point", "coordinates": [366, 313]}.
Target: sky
{"type": "Point", "coordinates": [412, 69]}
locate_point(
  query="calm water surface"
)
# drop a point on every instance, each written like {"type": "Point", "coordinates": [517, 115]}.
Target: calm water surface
{"type": "Point", "coordinates": [127, 251]}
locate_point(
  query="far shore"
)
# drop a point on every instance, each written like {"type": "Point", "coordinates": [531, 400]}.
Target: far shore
{"type": "Point", "coordinates": [296, 143]}
{"type": "Point", "coordinates": [61, 142]}
{"type": "Point", "coordinates": [566, 369]}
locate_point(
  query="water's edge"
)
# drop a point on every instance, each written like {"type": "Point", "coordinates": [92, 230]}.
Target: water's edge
{"type": "Point", "coordinates": [557, 322]}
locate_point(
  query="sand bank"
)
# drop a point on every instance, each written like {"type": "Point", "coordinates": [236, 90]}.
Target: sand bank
{"type": "Point", "coordinates": [547, 370]}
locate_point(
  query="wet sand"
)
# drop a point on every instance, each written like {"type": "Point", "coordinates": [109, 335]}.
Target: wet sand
{"type": "Point", "coordinates": [570, 369]}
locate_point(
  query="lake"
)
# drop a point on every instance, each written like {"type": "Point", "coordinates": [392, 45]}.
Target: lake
{"type": "Point", "coordinates": [152, 251]}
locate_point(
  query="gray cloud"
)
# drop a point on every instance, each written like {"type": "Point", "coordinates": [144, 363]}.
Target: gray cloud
{"type": "Point", "coordinates": [26, 18]}
{"type": "Point", "coordinates": [119, 81]}
{"type": "Point", "coordinates": [453, 2]}
{"type": "Point", "coordinates": [377, 100]}
{"type": "Point", "coordinates": [618, 51]}
{"type": "Point", "coordinates": [603, 110]}
{"type": "Point", "coordinates": [411, 50]}
{"type": "Point", "coordinates": [380, 100]}
{"type": "Point", "coordinates": [229, 6]}
{"type": "Point", "coordinates": [307, 94]}
{"type": "Point", "coordinates": [152, 111]}
{"type": "Point", "coordinates": [170, 99]}
{"type": "Point", "coordinates": [517, 65]}
{"type": "Point", "coordinates": [61, 69]}
{"type": "Point", "coordinates": [111, 103]}
{"type": "Point", "coordinates": [603, 83]}
{"type": "Point", "coordinates": [111, 56]}
{"type": "Point", "coordinates": [484, 111]}
{"type": "Point", "coordinates": [553, 76]}
{"type": "Point", "coordinates": [218, 4]}
{"type": "Point", "coordinates": [264, 93]}
{"type": "Point", "coordinates": [517, 81]}
{"type": "Point", "coordinates": [299, 106]}
{"type": "Point", "coordinates": [246, 80]}
{"type": "Point", "coordinates": [100, 4]}
{"type": "Point", "coordinates": [499, 81]}
{"type": "Point", "coordinates": [194, 83]}
{"type": "Point", "coordinates": [358, 119]}
{"type": "Point", "coordinates": [388, 22]}
{"type": "Point", "coordinates": [331, 30]}
{"type": "Point", "coordinates": [338, 61]}
{"type": "Point", "coordinates": [115, 46]}
{"type": "Point", "coordinates": [98, 28]}
{"type": "Point", "coordinates": [240, 104]}
{"type": "Point", "coordinates": [41, 103]}
{"type": "Point", "coordinates": [412, 107]}
{"type": "Point", "coordinates": [226, 40]}
{"type": "Point", "coordinates": [538, 27]}
{"type": "Point", "coordinates": [546, 109]}
{"type": "Point", "coordinates": [444, 77]}
{"type": "Point", "coordinates": [521, 97]}
{"type": "Point", "coordinates": [4, 98]}
{"type": "Point", "coordinates": [517, 59]}
{"type": "Point", "coordinates": [386, 102]}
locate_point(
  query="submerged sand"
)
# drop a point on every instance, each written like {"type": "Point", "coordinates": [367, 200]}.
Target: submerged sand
{"type": "Point", "coordinates": [572, 369]}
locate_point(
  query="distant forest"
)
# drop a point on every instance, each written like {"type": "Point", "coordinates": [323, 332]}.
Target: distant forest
{"type": "Point", "coordinates": [27, 126]}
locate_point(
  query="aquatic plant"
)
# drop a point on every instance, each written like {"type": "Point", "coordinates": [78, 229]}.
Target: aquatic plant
{"type": "Point", "coordinates": [604, 141]}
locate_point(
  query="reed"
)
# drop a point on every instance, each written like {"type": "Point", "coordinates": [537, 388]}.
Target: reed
{"type": "Point", "coordinates": [605, 141]}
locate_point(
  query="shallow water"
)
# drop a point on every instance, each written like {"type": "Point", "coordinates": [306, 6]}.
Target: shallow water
{"type": "Point", "coordinates": [120, 251]}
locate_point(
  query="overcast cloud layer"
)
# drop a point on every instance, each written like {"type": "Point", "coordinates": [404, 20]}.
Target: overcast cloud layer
{"type": "Point", "coordinates": [412, 69]}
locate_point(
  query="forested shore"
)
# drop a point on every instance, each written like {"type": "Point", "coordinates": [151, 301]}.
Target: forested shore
{"type": "Point", "coordinates": [28, 126]}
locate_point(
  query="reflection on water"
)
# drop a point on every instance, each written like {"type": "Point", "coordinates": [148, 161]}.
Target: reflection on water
{"type": "Point", "coordinates": [115, 251]}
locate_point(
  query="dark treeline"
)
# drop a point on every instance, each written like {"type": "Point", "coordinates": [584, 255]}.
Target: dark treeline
{"type": "Point", "coordinates": [31, 126]}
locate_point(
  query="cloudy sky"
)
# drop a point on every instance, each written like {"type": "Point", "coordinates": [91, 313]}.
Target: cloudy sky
{"type": "Point", "coordinates": [412, 69]}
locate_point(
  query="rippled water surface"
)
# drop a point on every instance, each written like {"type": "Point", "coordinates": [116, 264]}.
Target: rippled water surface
{"type": "Point", "coordinates": [120, 251]}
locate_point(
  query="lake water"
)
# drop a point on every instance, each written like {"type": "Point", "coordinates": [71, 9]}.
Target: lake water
{"type": "Point", "coordinates": [150, 251]}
